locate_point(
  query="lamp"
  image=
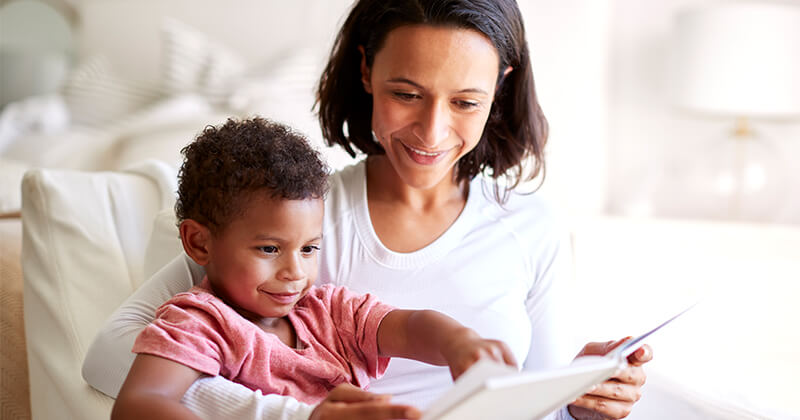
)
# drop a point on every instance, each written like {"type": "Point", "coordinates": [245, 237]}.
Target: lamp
{"type": "Point", "coordinates": [739, 60]}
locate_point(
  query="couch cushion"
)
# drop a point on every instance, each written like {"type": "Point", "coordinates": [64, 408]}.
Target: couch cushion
{"type": "Point", "coordinates": [84, 240]}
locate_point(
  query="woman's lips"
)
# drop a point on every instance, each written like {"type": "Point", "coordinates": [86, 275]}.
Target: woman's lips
{"type": "Point", "coordinates": [422, 157]}
{"type": "Point", "coordinates": [283, 298]}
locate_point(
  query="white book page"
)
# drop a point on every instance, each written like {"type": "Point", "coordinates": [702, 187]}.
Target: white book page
{"type": "Point", "coordinates": [492, 390]}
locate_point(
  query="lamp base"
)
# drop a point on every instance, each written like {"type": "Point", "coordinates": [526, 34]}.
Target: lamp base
{"type": "Point", "coordinates": [740, 176]}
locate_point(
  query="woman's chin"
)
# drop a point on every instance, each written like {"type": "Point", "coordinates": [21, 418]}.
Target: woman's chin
{"type": "Point", "coordinates": [423, 181]}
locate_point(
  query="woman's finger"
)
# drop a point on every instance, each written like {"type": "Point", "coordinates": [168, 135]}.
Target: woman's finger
{"type": "Point", "coordinates": [600, 407]}
{"type": "Point", "coordinates": [615, 390]}
{"type": "Point", "coordinates": [601, 348]}
{"type": "Point", "coordinates": [633, 375]}
{"type": "Point", "coordinates": [641, 356]}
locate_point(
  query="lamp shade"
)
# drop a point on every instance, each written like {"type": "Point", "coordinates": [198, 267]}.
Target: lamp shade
{"type": "Point", "coordinates": [739, 59]}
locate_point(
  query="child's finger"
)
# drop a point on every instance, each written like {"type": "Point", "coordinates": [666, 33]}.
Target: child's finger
{"type": "Point", "coordinates": [351, 393]}
{"type": "Point", "coordinates": [508, 356]}
{"type": "Point", "coordinates": [374, 411]}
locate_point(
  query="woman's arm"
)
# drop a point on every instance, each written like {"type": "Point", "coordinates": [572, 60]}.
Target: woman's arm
{"type": "Point", "coordinates": [109, 357]}
{"type": "Point", "coordinates": [435, 338]}
{"type": "Point", "coordinates": [153, 390]}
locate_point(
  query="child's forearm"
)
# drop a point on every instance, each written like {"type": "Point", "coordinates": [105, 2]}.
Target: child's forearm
{"type": "Point", "coordinates": [153, 390]}
{"type": "Point", "coordinates": [151, 407]}
{"type": "Point", "coordinates": [421, 335]}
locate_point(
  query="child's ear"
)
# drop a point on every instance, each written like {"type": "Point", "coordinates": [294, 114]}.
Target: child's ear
{"type": "Point", "coordinates": [365, 80]}
{"type": "Point", "coordinates": [196, 239]}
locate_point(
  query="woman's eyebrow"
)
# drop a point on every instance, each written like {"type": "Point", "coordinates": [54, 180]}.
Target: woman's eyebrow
{"type": "Point", "coordinates": [418, 86]}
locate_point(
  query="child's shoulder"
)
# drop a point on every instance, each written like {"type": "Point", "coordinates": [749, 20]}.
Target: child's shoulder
{"type": "Point", "coordinates": [196, 300]}
{"type": "Point", "coordinates": [330, 296]}
{"type": "Point", "coordinates": [319, 293]}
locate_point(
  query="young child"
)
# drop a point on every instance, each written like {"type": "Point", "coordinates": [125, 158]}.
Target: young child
{"type": "Point", "coordinates": [250, 208]}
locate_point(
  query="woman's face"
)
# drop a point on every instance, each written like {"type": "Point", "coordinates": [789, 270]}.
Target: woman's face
{"type": "Point", "coordinates": [432, 90]}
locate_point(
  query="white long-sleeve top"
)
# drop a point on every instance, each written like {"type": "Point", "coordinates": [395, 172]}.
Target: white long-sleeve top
{"type": "Point", "coordinates": [499, 269]}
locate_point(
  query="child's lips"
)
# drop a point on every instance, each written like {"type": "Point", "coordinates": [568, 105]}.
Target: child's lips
{"type": "Point", "coordinates": [283, 297]}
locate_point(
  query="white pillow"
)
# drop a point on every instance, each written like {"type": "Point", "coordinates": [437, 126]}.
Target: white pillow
{"type": "Point", "coordinates": [46, 113]}
{"type": "Point", "coordinates": [95, 95]}
{"type": "Point", "coordinates": [164, 244]}
{"type": "Point", "coordinates": [195, 63]}
{"type": "Point", "coordinates": [84, 239]}
{"type": "Point", "coordinates": [285, 91]}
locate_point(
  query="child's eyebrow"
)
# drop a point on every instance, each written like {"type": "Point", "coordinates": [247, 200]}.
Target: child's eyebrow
{"type": "Point", "coordinates": [261, 237]}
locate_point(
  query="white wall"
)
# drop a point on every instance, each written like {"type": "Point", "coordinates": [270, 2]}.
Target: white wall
{"type": "Point", "coordinates": [652, 145]}
{"type": "Point", "coordinates": [568, 40]}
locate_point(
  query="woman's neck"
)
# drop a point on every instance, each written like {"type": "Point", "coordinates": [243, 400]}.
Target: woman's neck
{"type": "Point", "coordinates": [407, 219]}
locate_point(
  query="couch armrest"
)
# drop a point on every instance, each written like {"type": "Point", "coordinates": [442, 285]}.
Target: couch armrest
{"type": "Point", "coordinates": [83, 245]}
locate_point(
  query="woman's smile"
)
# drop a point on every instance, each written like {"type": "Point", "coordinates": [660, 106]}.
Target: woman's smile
{"type": "Point", "coordinates": [423, 157]}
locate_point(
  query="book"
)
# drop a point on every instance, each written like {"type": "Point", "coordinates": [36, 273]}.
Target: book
{"type": "Point", "coordinates": [493, 390]}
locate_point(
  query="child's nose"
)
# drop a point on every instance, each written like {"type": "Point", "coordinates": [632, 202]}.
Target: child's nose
{"type": "Point", "coordinates": [292, 269]}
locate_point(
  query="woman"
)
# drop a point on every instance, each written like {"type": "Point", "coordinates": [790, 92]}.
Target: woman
{"type": "Point", "coordinates": [435, 92]}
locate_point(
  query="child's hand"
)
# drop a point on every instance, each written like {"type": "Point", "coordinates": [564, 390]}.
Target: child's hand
{"type": "Point", "coordinates": [467, 347]}
{"type": "Point", "coordinates": [350, 402]}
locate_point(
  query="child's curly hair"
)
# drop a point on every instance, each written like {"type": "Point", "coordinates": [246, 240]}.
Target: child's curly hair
{"type": "Point", "coordinates": [226, 163]}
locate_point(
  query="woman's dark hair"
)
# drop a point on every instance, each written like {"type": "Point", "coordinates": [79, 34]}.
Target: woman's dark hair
{"type": "Point", "coordinates": [516, 128]}
{"type": "Point", "coordinates": [227, 163]}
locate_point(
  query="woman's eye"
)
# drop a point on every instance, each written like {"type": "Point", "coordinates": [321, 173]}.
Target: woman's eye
{"type": "Point", "coordinates": [310, 249]}
{"type": "Point", "coordinates": [467, 105]}
{"type": "Point", "coordinates": [405, 96]}
{"type": "Point", "coordinates": [269, 249]}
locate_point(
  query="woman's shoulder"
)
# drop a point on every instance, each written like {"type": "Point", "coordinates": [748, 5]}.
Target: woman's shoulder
{"type": "Point", "coordinates": [526, 213]}
{"type": "Point", "coordinates": [345, 185]}
{"type": "Point", "coordinates": [522, 202]}
{"type": "Point", "coordinates": [345, 178]}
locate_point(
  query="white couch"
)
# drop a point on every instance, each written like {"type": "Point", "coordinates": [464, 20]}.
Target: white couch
{"type": "Point", "coordinates": [83, 250]}
{"type": "Point", "coordinates": [85, 242]}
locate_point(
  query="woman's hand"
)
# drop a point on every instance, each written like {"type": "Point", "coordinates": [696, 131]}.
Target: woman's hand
{"type": "Point", "coordinates": [614, 398]}
{"type": "Point", "coordinates": [347, 401]}
{"type": "Point", "coordinates": [466, 347]}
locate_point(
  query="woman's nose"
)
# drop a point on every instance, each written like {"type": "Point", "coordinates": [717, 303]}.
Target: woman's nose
{"type": "Point", "coordinates": [433, 127]}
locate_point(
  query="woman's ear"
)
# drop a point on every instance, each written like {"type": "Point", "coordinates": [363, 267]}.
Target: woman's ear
{"type": "Point", "coordinates": [365, 71]}
{"type": "Point", "coordinates": [196, 239]}
{"type": "Point", "coordinates": [506, 71]}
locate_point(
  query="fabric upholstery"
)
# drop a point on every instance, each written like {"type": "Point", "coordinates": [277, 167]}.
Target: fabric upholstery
{"type": "Point", "coordinates": [79, 227]}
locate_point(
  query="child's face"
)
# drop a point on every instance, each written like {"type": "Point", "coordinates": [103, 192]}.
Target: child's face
{"type": "Point", "coordinates": [264, 261]}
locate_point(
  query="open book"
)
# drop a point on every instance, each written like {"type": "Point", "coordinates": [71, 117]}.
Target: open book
{"type": "Point", "coordinates": [493, 390]}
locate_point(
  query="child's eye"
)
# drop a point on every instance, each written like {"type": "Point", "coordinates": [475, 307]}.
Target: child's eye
{"type": "Point", "coordinates": [309, 249]}
{"type": "Point", "coordinates": [269, 249]}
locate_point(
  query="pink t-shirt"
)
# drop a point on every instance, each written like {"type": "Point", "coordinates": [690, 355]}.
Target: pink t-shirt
{"type": "Point", "coordinates": [336, 329]}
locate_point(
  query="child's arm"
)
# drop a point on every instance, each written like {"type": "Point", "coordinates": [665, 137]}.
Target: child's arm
{"type": "Point", "coordinates": [153, 390]}
{"type": "Point", "coordinates": [435, 338]}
